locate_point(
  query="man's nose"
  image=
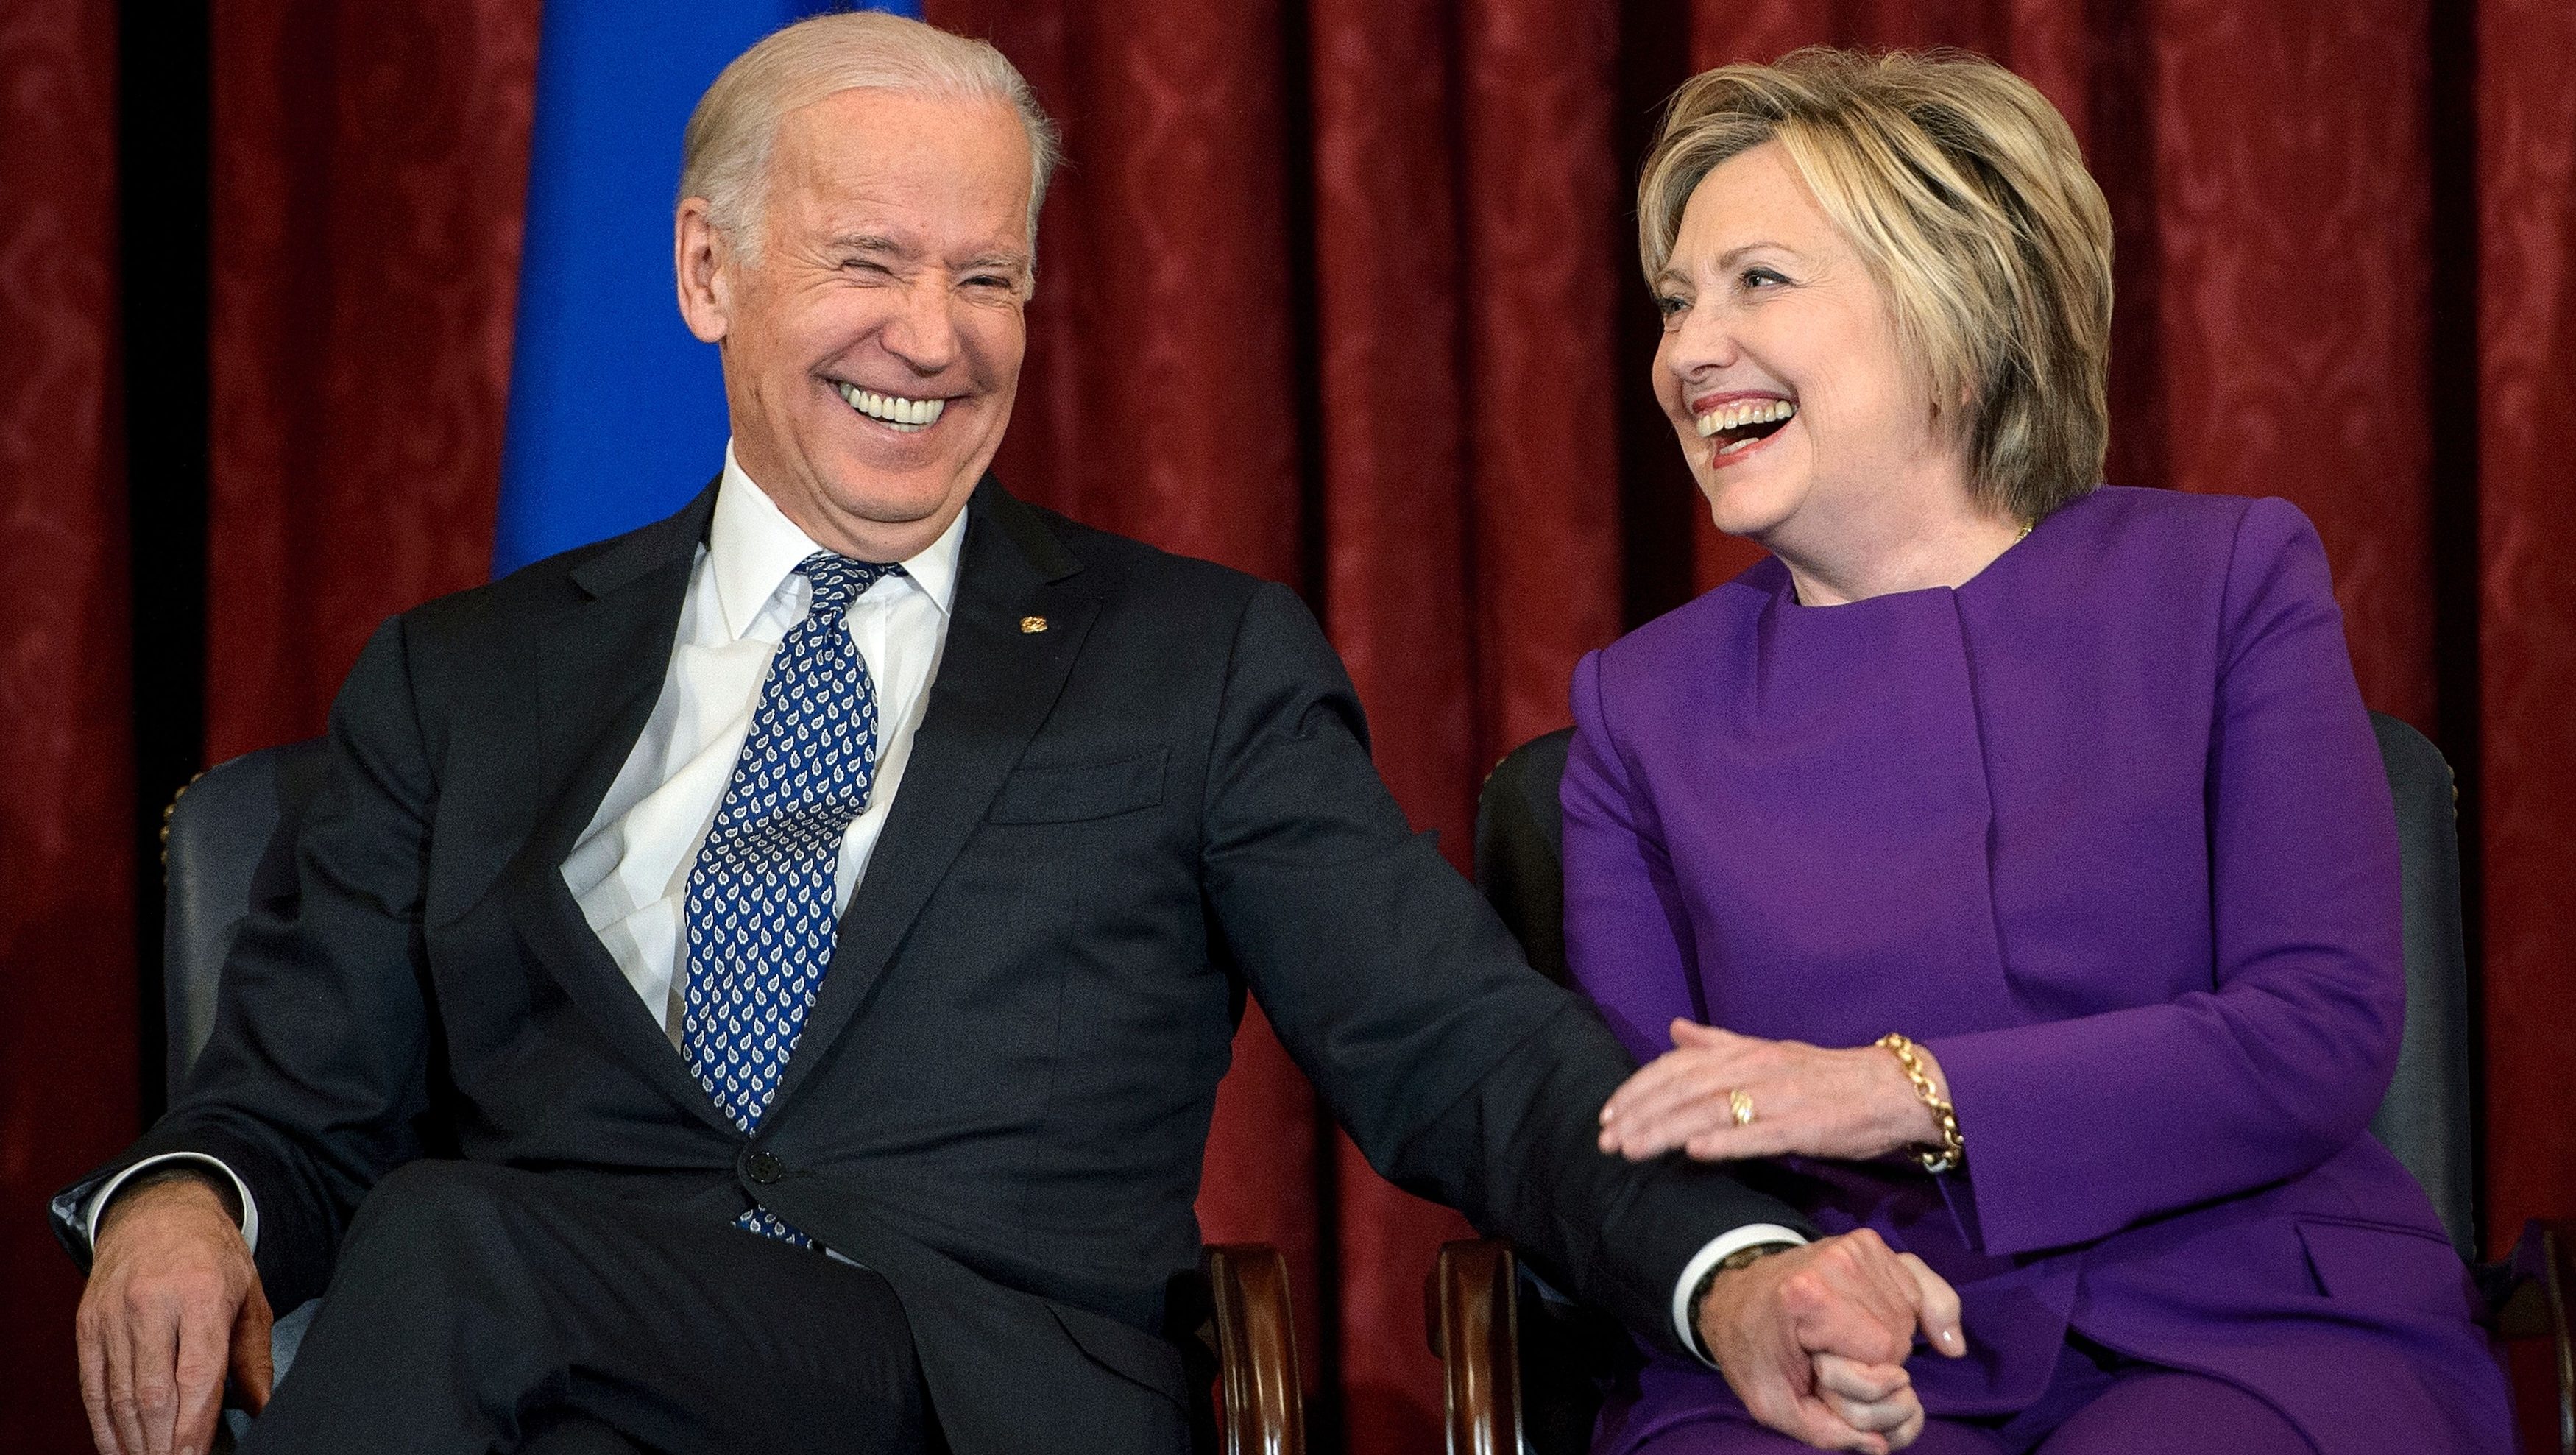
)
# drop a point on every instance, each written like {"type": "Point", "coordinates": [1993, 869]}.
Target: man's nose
{"type": "Point", "coordinates": [922, 333]}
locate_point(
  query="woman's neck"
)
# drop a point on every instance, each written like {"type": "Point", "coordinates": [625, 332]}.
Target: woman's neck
{"type": "Point", "coordinates": [1862, 554]}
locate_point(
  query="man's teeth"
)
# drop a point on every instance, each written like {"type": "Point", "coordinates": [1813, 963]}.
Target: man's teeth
{"type": "Point", "coordinates": [1736, 416]}
{"type": "Point", "coordinates": [908, 415]}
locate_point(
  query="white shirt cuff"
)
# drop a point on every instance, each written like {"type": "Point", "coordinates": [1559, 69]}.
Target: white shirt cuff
{"type": "Point", "coordinates": [1718, 1250]}
{"type": "Point", "coordinates": [98, 1200]}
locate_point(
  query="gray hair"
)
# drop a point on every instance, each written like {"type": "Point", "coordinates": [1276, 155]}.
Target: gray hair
{"type": "Point", "coordinates": [724, 153]}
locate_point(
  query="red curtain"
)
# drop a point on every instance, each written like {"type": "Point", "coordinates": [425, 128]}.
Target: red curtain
{"type": "Point", "coordinates": [1343, 293]}
{"type": "Point", "coordinates": [67, 1044]}
{"type": "Point", "coordinates": [2523, 576]}
{"type": "Point", "coordinates": [370, 166]}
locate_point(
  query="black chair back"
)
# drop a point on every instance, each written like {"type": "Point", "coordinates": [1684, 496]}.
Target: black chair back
{"type": "Point", "coordinates": [2425, 1119]}
{"type": "Point", "coordinates": [233, 825]}
{"type": "Point", "coordinates": [1520, 849]}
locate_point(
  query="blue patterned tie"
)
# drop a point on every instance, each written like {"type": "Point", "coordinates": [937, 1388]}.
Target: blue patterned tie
{"type": "Point", "coordinates": [760, 896]}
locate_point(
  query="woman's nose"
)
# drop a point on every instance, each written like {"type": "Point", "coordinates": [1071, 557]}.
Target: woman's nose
{"type": "Point", "coordinates": [1705, 339]}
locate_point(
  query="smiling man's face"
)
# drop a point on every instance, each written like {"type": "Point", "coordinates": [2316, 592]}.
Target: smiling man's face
{"type": "Point", "coordinates": [872, 343]}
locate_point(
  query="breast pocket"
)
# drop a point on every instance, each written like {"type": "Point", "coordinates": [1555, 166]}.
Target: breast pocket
{"type": "Point", "coordinates": [1081, 791]}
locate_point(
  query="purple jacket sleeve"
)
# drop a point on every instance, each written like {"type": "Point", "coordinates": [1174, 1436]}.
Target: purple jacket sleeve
{"type": "Point", "coordinates": [1627, 937]}
{"type": "Point", "coordinates": [2078, 1128]}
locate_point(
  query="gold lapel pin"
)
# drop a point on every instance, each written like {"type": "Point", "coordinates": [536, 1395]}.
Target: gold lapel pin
{"type": "Point", "coordinates": [1032, 624]}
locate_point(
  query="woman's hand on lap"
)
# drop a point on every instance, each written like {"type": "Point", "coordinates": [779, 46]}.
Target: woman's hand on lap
{"type": "Point", "coordinates": [1802, 1100]}
{"type": "Point", "coordinates": [1875, 1399]}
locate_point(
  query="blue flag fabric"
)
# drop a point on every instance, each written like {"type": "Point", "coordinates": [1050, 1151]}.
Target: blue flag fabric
{"type": "Point", "coordinates": [617, 415]}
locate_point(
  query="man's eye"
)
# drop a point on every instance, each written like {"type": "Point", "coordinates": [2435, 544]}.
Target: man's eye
{"type": "Point", "coordinates": [863, 265]}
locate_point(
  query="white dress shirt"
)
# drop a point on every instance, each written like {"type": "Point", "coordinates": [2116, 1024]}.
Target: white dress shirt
{"type": "Point", "coordinates": [629, 871]}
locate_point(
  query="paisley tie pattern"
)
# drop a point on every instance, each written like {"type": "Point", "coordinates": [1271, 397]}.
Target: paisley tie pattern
{"type": "Point", "coordinates": [760, 921]}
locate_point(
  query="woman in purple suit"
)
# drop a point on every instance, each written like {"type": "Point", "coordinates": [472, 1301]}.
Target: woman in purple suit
{"type": "Point", "coordinates": [2004, 866]}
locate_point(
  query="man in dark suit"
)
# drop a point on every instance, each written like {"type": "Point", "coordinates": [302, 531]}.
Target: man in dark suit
{"type": "Point", "coordinates": [761, 982]}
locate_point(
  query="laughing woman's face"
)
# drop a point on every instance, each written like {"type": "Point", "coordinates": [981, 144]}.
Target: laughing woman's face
{"type": "Point", "coordinates": [1780, 366]}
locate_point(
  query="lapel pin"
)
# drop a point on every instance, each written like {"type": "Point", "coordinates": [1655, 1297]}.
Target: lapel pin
{"type": "Point", "coordinates": [1032, 624]}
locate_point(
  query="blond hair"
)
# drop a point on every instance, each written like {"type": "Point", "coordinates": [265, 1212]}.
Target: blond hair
{"type": "Point", "coordinates": [1963, 191]}
{"type": "Point", "coordinates": [724, 153]}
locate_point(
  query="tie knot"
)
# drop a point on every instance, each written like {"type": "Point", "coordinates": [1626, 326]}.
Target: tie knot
{"type": "Point", "coordinates": [838, 581]}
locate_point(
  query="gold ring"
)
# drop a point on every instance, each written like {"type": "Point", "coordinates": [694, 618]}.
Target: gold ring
{"type": "Point", "coordinates": [1739, 1104]}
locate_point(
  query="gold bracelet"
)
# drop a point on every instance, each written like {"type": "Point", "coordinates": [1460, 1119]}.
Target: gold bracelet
{"type": "Point", "coordinates": [1952, 1151]}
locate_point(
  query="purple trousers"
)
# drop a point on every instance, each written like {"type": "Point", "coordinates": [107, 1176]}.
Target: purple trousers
{"type": "Point", "coordinates": [2127, 1410]}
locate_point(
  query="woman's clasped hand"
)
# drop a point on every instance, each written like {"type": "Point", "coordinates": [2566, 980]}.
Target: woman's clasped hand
{"type": "Point", "coordinates": [1722, 1097]}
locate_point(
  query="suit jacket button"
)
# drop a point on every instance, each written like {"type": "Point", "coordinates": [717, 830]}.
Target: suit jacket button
{"type": "Point", "coordinates": [764, 1167]}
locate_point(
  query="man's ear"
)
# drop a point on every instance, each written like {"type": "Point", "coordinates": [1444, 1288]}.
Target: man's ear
{"type": "Point", "coordinates": [699, 254]}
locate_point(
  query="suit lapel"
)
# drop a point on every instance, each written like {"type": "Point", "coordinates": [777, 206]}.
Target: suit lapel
{"type": "Point", "coordinates": [595, 670]}
{"type": "Point", "coordinates": [996, 684]}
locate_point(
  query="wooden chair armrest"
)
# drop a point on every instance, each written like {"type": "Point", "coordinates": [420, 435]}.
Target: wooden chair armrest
{"type": "Point", "coordinates": [2543, 1305]}
{"type": "Point", "coordinates": [1472, 1312]}
{"type": "Point", "coordinates": [1260, 1403]}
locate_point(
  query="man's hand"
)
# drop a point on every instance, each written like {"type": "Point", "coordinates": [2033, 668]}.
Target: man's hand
{"type": "Point", "coordinates": [173, 1303]}
{"type": "Point", "coordinates": [1814, 1339]}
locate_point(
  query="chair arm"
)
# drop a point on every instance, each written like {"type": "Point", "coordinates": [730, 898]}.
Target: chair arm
{"type": "Point", "coordinates": [1471, 1308]}
{"type": "Point", "coordinates": [2542, 1304]}
{"type": "Point", "coordinates": [1260, 1401]}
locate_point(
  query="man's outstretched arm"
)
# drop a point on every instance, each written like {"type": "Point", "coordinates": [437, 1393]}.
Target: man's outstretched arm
{"type": "Point", "coordinates": [1462, 1074]}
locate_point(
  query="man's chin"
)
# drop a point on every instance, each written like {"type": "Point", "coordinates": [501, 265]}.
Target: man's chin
{"type": "Point", "coordinates": [896, 500]}
{"type": "Point", "coordinates": [888, 477]}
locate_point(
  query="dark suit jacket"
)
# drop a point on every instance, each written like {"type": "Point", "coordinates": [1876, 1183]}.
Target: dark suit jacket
{"type": "Point", "coordinates": [1109, 830]}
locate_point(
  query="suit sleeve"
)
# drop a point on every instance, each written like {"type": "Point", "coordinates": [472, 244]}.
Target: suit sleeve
{"type": "Point", "coordinates": [1463, 1075]}
{"type": "Point", "coordinates": [304, 1112]}
{"type": "Point", "coordinates": [2281, 1062]}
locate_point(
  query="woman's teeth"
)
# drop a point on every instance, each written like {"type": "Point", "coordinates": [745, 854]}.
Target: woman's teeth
{"type": "Point", "coordinates": [909, 415]}
{"type": "Point", "coordinates": [1744, 416]}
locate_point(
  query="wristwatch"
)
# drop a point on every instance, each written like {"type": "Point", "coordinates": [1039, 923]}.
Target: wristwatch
{"type": "Point", "coordinates": [1743, 1257]}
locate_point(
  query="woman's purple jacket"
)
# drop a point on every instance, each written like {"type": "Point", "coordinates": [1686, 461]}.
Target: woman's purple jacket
{"type": "Point", "coordinates": [2107, 830]}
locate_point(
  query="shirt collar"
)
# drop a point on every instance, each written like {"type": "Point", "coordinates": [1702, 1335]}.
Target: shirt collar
{"type": "Point", "coordinates": [753, 547]}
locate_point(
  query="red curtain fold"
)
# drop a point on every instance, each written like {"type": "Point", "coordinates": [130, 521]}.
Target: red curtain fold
{"type": "Point", "coordinates": [2525, 492]}
{"type": "Point", "coordinates": [1343, 294]}
{"type": "Point", "coordinates": [370, 166]}
{"type": "Point", "coordinates": [1393, 459]}
{"type": "Point", "coordinates": [67, 1011]}
{"type": "Point", "coordinates": [2525, 392]}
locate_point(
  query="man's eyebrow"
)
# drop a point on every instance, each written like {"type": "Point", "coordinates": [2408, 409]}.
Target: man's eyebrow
{"type": "Point", "coordinates": [871, 242]}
